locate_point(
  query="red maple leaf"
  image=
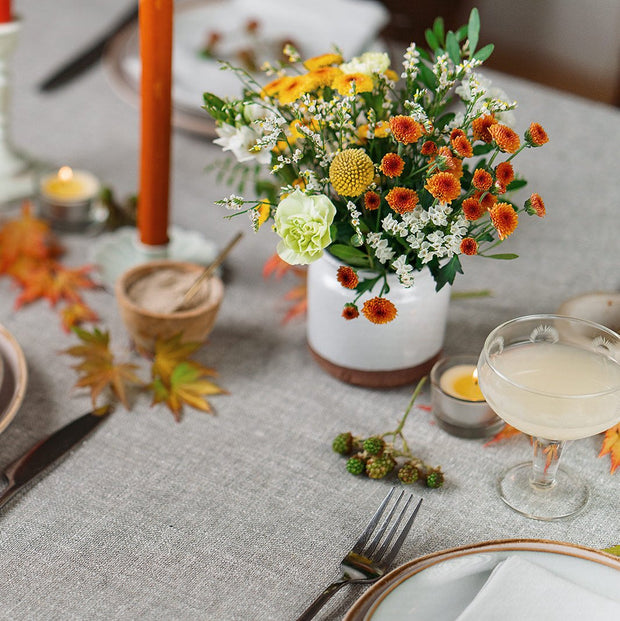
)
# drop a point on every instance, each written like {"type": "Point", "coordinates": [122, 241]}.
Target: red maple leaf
{"type": "Point", "coordinates": [611, 445]}
{"type": "Point", "coordinates": [505, 432]}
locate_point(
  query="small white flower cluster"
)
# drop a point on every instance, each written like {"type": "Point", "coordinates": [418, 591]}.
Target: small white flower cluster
{"type": "Point", "coordinates": [484, 98]}
{"type": "Point", "coordinates": [419, 114]}
{"type": "Point", "coordinates": [285, 161]}
{"type": "Point", "coordinates": [392, 226]}
{"type": "Point", "coordinates": [444, 72]}
{"type": "Point", "coordinates": [271, 129]}
{"type": "Point", "coordinates": [231, 202]}
{"type": "Point", "coordinates": [410, 62]}
{"type": "Point", "coordinates": [404, 271]}
{"type": "Point", "coordinates": [291, 53]}
{"type": "Point", "coordinates": [254, 218]}
{"type": "Point", "coordinates": [355, 220]}
{"type": "Point", "coordinates": [380, 245]}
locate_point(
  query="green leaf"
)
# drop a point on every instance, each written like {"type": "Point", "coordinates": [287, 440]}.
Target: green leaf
{"type": "Point", "coordinates": [366, 285]}
{"type": "Point", "coordinates": [447, 273]}
{"type": "Point", "coordinates": [428, 77]}
{"type": "Point", "coordinates": [473, 29]}
{"type": "Point", "coordinates": [481, 149]}
{"type": "Point", "coordinates": [484, 52]}
{"type": "Point", "coordinates": [508, 256]}
{"type": "Point", "coordinates": [613, 550]}
{"type": "Point", "coordinates": [442, 121]}
{"type": "Point", "coordinates": [452, 47]}
{"type": "Point", "coordinates": [431, 39]}
{"type": "Point", "coordinates": [461, 33]}
{"type": "Point", "coordinates": [438, 30]}
{"type": "Point", "coordinates": [351, 256]}
{"type": "Point", "coordinates": [516, 184]}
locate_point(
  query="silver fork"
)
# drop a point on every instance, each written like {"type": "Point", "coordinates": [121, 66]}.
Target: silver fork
{"type": "Point", "coordinates": [367, 562]}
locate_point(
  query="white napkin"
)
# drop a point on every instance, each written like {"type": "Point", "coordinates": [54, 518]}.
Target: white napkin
{"type": "Point", "coordinates": [518, 590]}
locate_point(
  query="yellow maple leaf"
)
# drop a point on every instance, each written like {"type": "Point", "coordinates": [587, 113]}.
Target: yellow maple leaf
{"type": "Point", "coordinates": [611, 445]}
{"type": "Point", "coordinates": [76, 313]}
{"type": "Point", "coordinates": [172, 351]}
{"type": "Point", "coordinates": [187, 385]}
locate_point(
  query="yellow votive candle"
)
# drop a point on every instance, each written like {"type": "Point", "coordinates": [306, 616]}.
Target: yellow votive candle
{"type": "Point", "coordinates": [461, 381]}
{"type": "Point", "coordinates": [70, 186]}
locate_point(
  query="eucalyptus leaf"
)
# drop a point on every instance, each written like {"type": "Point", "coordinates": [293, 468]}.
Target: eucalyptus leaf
{"type": "Point", "coordinates": [484, 52]}
{"type": "Point", "coordinates": [481, 149]}
{"type": "Point", "coordinates": [461, 33]}
{"type": "Point", "coordinates": [516, 184]}
{"type": "Point", "coordinates": [431, 39]}
{"type": "Point", "coordinates": [428, 77]}
{"type": "Point", "coordinates": [438, 30]}
{"type": "Point", "coordinates": [442, 121]}
{"type": "Point", "coordinates": [473, 29]}
{"type": "Point", "coordinates": [452, 47]}
{"type": "Point", "coordinates": [508, 256]}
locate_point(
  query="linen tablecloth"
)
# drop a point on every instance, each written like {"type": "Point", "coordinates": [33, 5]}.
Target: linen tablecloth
{"type": "Point", "coordinates": [245, 514]}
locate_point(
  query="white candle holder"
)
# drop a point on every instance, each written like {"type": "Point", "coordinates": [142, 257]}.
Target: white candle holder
{"type": "Point", "coordinates": [18, 174]}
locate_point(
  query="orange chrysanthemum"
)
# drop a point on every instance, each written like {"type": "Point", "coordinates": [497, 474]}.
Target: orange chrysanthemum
{"type": "Point", "coordinates": [504, 173]}
{"type": "Point", "coordinates": [483, 179]}
{"type": "Point", "coordinates": [505, 138]}
{"type": "Point", "coordinates": [462, 146]}
{"type": "Point", "coordinates": [472, 209]}
{"type": "Point", "coordinates": [324, 60]}
{"type": "Point", "coordinates": [449, 163]}
{"type": "Point", "coordinates": [347, 277]}
{"type": "Point", "coordinates": [350, 83]}
{"type": "Point", "coordinates": [536, 136]}
{"type": "Point", "coordinates": [405, 129]}
{"type": "Point", "coordinates": [428, 148]}
{"type": "Point", "coordinates": [469, 246]}
{"type": "Point", "coordinates": [372, 200]}
{"type": "Point", "coordinates": [455, 133]}
{"type": "Point", "coordinates": [444, 186]}
{"type": "Point", "coordinates": [350, 311]}
{"type": "Point", "coordinates": [379, 310]}
{"type": "Point", "coordinates": [480, 127]}
{"type": "Point", "coordinates": [274, 86]}
{"type": "Point", "coordinates": [402, 200]}
{"type": "Point", "coordinates": [487, 200]}
{"type": "Point", "coordinates": [392, 165]}
{"type": "Point", "coordinates": [504, 219]}
{"type": "Point", "coordinates": [535, 204]}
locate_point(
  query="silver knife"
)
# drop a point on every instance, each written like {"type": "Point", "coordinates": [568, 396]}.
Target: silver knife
{"type": "Point", "coordinates": [49, 450]}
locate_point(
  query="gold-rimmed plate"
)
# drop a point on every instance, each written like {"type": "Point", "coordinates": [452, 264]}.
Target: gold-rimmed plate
{"type": "Point", "coordinates": [13, 379]}
{"type": "Point", "coordinates": [439, 586]}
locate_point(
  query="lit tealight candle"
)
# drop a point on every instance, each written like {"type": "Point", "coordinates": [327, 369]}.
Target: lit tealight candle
{"type": "Point", "coordinates": [461, 381]}
{"type": "Point", "coordinates": [457, 401]}
{"type": "Point", "coordinates": [67, 196]}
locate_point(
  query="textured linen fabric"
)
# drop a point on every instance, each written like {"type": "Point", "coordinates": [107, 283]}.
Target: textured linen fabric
{"type": "Point", "coordinates": [246, 514]}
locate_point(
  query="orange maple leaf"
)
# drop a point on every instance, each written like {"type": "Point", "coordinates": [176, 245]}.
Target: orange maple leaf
{"type": "Point", "coordinates": [611, 445]}
{"type": "Point", "coordinates": [67, 281]}
{"type": "Point", "coordinates": [26, 236]}
{"type": "Point", "coordinates": [171, 352]}
{"type": "Point", "coordinates": [98, 369]}
{"type": "Point", "coordinates": [37, 284]}
{"type": "Point", "coordinates": [298, 295]}
{"type": "Point", "coordinates": [505, 432]}
{"type": "Point", "coordinates": [277, 267]}
{"type": "Point", "coordinates": [77, 313]}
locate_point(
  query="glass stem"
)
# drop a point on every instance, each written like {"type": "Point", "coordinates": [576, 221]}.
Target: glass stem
{"type": "Point", "coordinates": [547, 454]}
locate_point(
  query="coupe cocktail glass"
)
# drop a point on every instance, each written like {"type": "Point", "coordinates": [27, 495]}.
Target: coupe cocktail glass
{"type": "Point", "coordinates": [557, 379]}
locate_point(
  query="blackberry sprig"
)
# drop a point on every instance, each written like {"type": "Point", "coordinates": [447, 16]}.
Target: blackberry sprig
{"type": "Point", "coordinates": [380, 455]}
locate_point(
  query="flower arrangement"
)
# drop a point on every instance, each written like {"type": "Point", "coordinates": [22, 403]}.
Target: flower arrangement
{"type": "Point", "coordinates": [389, 173]}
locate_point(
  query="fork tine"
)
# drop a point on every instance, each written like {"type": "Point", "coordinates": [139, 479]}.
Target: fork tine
{"type": "Point", "coordinates": [388, 539]}
{"type": "Point", "coordinates": [387, 561]}
{"type": "Point", "coordinates": [361, 542]}
{"type": "Point", "coordinates": [368, 552]}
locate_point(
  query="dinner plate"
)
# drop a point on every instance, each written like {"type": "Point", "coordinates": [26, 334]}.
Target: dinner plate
{"type": "Point", "coordinates": [350, 24]}
{"type": "Point", "coordinates": [13, 379]}
{"type": "Point", "coordinates": [439, 586]}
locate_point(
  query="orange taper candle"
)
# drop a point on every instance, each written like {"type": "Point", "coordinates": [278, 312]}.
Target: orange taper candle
{"type": "Point", "coordinates": [5, 11]}
{"type": "Point", "coordinates": [156, 55]}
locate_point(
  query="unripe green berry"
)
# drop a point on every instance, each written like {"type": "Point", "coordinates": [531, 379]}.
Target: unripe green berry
{"type": "Point", "coordinates": [434, 478]}
{"type": "Point", "coordinates": [379, 466]}
{"type": "Point", "coordinates": [356, 465]}
{"type": "Point", "coordinates": [374, 445]}
{"type": "Point", "coordinates": [408, 473]}
{"type": "Point", "coordinates": [343, 443]}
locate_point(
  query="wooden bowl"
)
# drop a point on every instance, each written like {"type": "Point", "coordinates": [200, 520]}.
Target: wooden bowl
{"type": "Point", "coordinates": [146, 325]}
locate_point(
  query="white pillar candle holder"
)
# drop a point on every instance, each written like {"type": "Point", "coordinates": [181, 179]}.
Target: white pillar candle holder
{"type": "Point", "coordinates": [18, 174]}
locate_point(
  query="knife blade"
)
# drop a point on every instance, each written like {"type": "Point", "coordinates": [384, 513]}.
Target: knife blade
{"type": "Point", "coordinates": [89, 55]}
{"type": "Point", "coordinates": [49, 450]}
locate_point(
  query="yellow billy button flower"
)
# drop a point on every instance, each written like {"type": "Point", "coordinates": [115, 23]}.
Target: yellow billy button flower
{"type": "Point", "coordinates": [351, 172]}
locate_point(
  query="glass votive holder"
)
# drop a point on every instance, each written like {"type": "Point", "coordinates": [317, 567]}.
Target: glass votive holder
{"type": "Point", "coordinates": [458, 406]}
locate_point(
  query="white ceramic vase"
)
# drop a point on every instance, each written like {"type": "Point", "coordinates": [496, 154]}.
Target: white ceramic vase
{"type": "Point", "coordinates": [375, 355]}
